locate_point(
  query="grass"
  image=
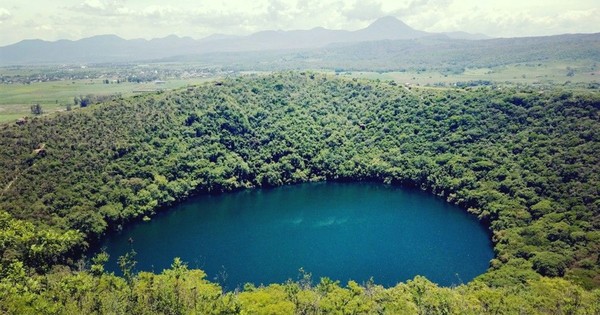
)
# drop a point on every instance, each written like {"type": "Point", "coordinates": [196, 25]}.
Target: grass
{"type": "Point", "coordinates": [547, 73]}
{"type": "Point", "coordinates": [16, 99]}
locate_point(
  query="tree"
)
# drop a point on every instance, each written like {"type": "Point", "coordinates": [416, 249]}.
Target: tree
{"type": "Point", "coordinates": [550, 264]}
{"type": "Point", "coordinates": [84, 101]}
{"type": "Point", "coordinates": [98, 262]}
{"type": "Point", "coordinates": [36, 109]}
{"type": "Point", "coordinates": [127, 264]}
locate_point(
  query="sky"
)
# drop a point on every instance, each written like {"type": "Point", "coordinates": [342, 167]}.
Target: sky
{"type": "Point", "coordinates": [76, 19]}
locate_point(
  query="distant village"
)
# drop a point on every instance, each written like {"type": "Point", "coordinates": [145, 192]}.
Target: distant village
{"type": "Point", "coordinates": [108, 73]}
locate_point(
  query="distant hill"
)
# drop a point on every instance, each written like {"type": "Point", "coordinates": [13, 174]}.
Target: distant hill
{"type": "Point", "coordinates": [386, 44]}
{"type": "Point", "coordinates": [111, 48]}
{"type": "Point", "coordinates": [465, 35]}
{"type": "Point", "coordinates": [455, 55]}
{"type": "Point", "coordinates": [103, 48]}
{"type": "Point", "coordinates": [387, 28]}
{"type": "Point", "coordinates": [435, 52]}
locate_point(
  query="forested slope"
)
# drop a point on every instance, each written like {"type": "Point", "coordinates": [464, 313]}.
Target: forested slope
{"type": "Point", "coordinates": [526, 162]}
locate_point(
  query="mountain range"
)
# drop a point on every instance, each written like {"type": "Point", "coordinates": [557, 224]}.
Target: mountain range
{"type": "Point", "coordinates": [111, 48]}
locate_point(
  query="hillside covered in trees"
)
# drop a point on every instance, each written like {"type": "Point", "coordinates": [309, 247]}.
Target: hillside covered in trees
{"type": "Point", "coordinates": [526, 162]}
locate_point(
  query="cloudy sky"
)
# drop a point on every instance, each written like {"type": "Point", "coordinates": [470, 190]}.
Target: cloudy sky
{"type": "Point", "coordinates": [75, 19]}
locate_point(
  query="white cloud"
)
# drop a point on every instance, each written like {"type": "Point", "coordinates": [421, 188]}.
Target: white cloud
{"type": "Point", "coordinates": [416, 6]}
{"type": "Point", "coordinates": [74, 19]}
{"type": "Point", "coordinates": [509, 18]}
{"type": "Point", "coordinates": [571, 19]}
{"type": "Point", "coordinates": [4, 15]}
{"type": "Point", "coordinates": [364, 11]}
{"type": "Point", "coordinates": [160, 12]}
{"type": "Point", "coordinates": [103, 8]}
{"type": "Point", "coordinates": [44, 28]}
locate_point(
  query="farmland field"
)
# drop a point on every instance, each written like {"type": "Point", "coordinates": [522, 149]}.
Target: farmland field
{"type": "Point", "coordinates": [54, 96]}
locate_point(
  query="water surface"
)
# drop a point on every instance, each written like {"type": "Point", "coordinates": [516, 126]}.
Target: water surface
{"type": "Point", "coordinates": [339, 230]}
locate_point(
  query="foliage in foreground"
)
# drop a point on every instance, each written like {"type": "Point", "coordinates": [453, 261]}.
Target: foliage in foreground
{"type": "Point", "coordinates": [179, 290]}
{"type": "Point", "coordinates": [525, 161]}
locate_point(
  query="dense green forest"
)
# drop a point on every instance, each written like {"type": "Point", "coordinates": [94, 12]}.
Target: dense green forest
{"type": "Point", "coordinates": [525, 161]}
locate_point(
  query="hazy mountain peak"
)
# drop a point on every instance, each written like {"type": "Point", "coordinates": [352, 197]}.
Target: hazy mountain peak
{"type": "Point", "coordinates": [105, 37]}
{"type": "Point", "coordinates": [171, 37]}
{"type": "Point", "coordinates": [389, 23]}
{"type": "Point", "coordinates": [218, 36]}
{"type": "Point", "coordinates": [108, 48]}
{"type": "Point", "coordinates": [388, 27]}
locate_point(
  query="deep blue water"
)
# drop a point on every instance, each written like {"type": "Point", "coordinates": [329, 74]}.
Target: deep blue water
{"type": "Point", "coordinates": [339, 230]}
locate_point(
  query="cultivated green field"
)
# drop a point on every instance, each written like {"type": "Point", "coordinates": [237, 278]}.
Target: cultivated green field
{"type": "Point", "coordinates": [541, 73]}
{"type": "Point", "coordinates": [16, 99]}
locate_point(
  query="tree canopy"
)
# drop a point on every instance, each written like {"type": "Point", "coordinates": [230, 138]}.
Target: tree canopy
{"type": "Point", "coordinates": [524, 161]}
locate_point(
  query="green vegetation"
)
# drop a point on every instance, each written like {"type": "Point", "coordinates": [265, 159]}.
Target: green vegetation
{"type": "Point", "coordinates": [55, 87]}
{"type": "Point", "coordinates": [418, 55]}
{"type": "Point", "coordinates": [538, 73]}
{"type": "Point", "coordinates": [179, 290]}
{"type": "Point", "coordinates": [17, 98]}
{"type": "Point", "coordinates": [525, 161]}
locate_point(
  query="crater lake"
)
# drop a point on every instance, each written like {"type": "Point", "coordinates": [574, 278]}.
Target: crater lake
{"type": "Point", "coordinates": [344, 231]}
